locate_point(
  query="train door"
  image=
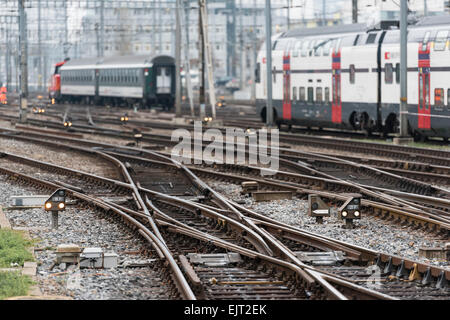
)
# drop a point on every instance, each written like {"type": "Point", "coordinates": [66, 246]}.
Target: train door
{"type": "Point", "coordinates": [336, 106]}
{"type": "Point", "coordinates": [287, 103]}
{"type": "Point", "coordinates": [163, 80]}
{"type": "Point", "coordinates": [424, 84]}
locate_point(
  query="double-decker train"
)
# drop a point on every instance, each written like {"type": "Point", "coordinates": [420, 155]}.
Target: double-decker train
{"type": "Point", "coordinates": [129, 81]}
{"type": "Point", "coordinates": [349, 77]}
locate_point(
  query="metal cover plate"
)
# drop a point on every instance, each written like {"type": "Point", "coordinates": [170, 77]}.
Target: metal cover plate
{"type": "Point", "coordinates": [328, 258]}
{"type": "Point", "coordinates": [213, 260]}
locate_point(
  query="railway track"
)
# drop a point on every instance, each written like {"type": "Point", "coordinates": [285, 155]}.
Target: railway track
{"type": "Point", "coordinates": [431, 217]}
{"type": "Point", "coordinates": [176, 226]}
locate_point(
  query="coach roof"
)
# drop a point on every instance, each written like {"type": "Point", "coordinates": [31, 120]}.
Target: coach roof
{"type": "Point", "coordinates": [307, 32]}
{"type": "Point", "coordinates": [141, 61]}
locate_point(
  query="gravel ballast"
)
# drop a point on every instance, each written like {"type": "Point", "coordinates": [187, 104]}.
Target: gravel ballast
{"type": "Point", "coordinates": [370, 232]}
{"type": "Point", "coordinates": [85, 228]}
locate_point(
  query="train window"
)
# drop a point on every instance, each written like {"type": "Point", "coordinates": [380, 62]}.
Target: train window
{"type": "Point", "coordinates": [310, 95]}
{"type": "Point", "coordinates": [318, 48]}
{"type": "Point", "coordinates": [301, 94]}
{"type": "Point", "coordinates": [441, 40]}
{"type": "Point", "coordinates": [258, 73]}
{"type": "Point", "coordinates": [167, 72]}
{"type": "Point", "coordinates": [439, 98]}
{"type": "Point", "coordinates": [427, 91]}
{"type": "Point", "coordinates": [397, 73]}
{"type": "Point", "coordinates": [327, 95]}
{"type": "Point", "coordinates": [318, 94]}
{"type": "Point", "coordinates": [294, 93]}
{"type": "Point", "coordinates": [311, 47]}
{"type": "Point", "coordinates": [420, 90]}
{"type": "Point", "coordinates": [297, 48]}
{"type": "Point", "coordinates": [352, 73]}
{"type": "Point", "coordinates": [448, 99]}
{"type": "Point", "coordinates": [388, 76]}
{"type": "Point", "coordinates": [305, 46]}
{"type": "Point", "coordinates": [371, 38]}
{"type": "Point", "coordinates": [337, 44]}
{"type": "Point", "coordinates": [356, 40]}
{"type": "Point", "coordinates": [425, 40]}
{"type": "Point", "coordinates": [327, 48]}
{"type": "Point", "coordinates": [274, 74]}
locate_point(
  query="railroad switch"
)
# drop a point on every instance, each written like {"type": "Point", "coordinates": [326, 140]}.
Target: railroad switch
{"type": "Point", "coordinates": [56, 203]}
{"type": "Point", "coordinates": [317, 208]}
{"type": "Point", "coordinates": [350, 210]}
{"type": "Point", "coordinates": [249, 186]}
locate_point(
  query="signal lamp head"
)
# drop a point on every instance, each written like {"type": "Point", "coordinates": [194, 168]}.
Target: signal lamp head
{"type": "Point", "coordinates": [61, 205]}
{"type": "Point", "coordinates": [356, 213]}
{"type": "Point", "coordinates": [48, 205]}
{"type": "Point", "coordinates": [344, 213]}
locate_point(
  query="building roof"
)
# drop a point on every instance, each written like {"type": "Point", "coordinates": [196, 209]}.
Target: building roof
{"type": "Point", "coordinates": [307, 32]}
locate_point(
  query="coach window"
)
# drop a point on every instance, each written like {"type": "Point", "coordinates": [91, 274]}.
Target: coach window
{"type": "Point", "coordinates": [310, 95]}
{"type": "Point", "coordinates": [274, 74]}
{"type": "Point", "coordinates": [258, 73]}
{"type": "Point", "coordinates": [352, 73]}
{"type": "Point", "coordinates": [389, 73]}
{"type": "Point", "coordinates": [301, 94]}
{"type": "Point", "coordinates": [371, 38]}
{"type": "Point", "coordinates": [397, 73]}
{"type": "Point", "coordinates": [448, 99]}
{"type": "Point", "coordinates": [441, 40]}
{"type": "Point", "coordinates": [294, 93]}
{"type": "Point", "coordinates": [311, 47]}
{"type": "Point", "coordinates": [425, 41]}
{"type": "Point", "coordinates": [297, 48]}
{"type": "Point", "coordinates": [327, 95]}
{"type": "Point", "coordinates": [305, 46]}
{"type": "Point", "coordinates": [439, 98]}
{"type": "Point", "coordinates": [318, 48]}
{"type": "Point", "coordinates": [319, 95]}
{"type": "Point", "coordinates": [327, 48]}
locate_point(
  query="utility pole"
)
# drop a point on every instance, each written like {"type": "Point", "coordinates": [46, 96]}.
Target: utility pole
{"type": "Point", "coordinates": [403, 68]}
{"type": "Point", "coordinates": [23, 54]}
{"type": "Point", "coordinates": [255, 53]}
{"type": "Point", "coordinates": [202, 100]}
{"type": "Point", "coordinates": [187, 65]}
{"type": "Point", "coordinates": [39, 48]}
{"type": "Point", "coordinates": [160, 31]}
{"type": "Point", "coordinates": [288, 14]}
{"type": "Point", "coordinates": [66, 33]}
{"type": "Point", "coordinates": [102, 29]}
{"type": "Point", "coordinates": [425, 8]}
{"type": "Point", "coordinates": [7, 61]}
{"type": "Point", "coordinates": [154, 29]}
{"type": "Point", "coordinates": [355, 11]}
{"type": "Point", "coordinates": [324, 17]}
{"type": "Point", "coordinates": [241, 33]}
{"type": "Point", "coordinates": [207, 56]}
{"type": "Point", "coordinates": [178, 60]}
{"type": "Point", "coordinates": [269, 110]}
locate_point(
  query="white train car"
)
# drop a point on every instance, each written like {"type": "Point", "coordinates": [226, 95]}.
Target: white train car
{"type": "Point", "coordinates": [349, 77]}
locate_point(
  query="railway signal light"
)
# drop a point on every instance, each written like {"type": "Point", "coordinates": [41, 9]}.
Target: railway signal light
{"type": "Point", "coordinates": [317, 208]}
{"type": "Point", "coordinates": [67, 124]}
{"type": "Point", "coordinates": [124, 118]}
{"type": "Point", "coordinates": [53, 100]}
{"type": "Point", "coordinates": [351, 209]}
{"type": "Point", "coordinates": [56, 203]}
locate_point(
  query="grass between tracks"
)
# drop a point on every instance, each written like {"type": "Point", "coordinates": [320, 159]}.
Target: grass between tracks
{"type": "Point", "coordinates": [13, 284]}
{"type": "Point", "coordinates": [13, 249]}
